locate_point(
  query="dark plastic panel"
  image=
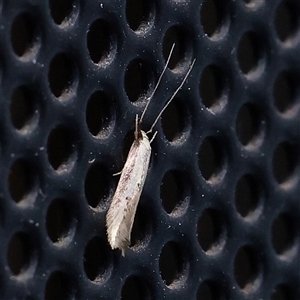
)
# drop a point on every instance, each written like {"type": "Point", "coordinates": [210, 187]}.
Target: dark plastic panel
{"type": "Point", "coordinates": [219, 217]}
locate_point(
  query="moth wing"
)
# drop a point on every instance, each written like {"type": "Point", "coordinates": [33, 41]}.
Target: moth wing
{"type": "Point", "coordinates": [124, 232]}
{"type": "Point", "coordinates": [121, 213]}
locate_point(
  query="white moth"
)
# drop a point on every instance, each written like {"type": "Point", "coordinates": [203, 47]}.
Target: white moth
{"type": "Point", "coordinates": [121, 213]}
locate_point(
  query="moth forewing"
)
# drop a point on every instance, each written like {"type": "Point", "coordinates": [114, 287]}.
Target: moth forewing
{"type": "Point", "coordinates": [121, 213]}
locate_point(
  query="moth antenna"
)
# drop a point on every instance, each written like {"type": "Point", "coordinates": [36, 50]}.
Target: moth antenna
{"type": "Point", "coordinates": [173, 96]}
{"type": "Point", "coordinates": [158, 82]}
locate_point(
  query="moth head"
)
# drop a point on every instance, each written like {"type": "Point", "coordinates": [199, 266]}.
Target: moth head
{"type": "Point", "coordinates": [144, 135]}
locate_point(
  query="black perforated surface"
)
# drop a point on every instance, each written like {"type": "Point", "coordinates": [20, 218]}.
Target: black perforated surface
{"type": "Point", "coordinates": [219, 217]}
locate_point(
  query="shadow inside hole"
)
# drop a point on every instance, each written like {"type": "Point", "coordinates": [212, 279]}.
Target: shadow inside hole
{"type": "Point", "coordinates": [135, 289]}
{"type": "Point", "coordinates": [212, 16]}
{"type": "Point", "coordinates": [96, 259]}
{"type": "Point", "coordinates": [19, 253]}
{"type": "Point", "coordinates": [138, 13]}
{"type": "Point", "coordinates": [22, 107]}
{"type": "Point", "coordinates": [247, 124]}
{"type": "Point", "coordinates": [286, 20]}
{"type": "Point", "coordinates": [97, 186]}
{"type": "Point", "coordinates": [141, 227]}
{"type": "Point", "coordinates": [247, 195]}
{"type": "Point", "coordinates": [61, 149]}
{"type": "Point", "coordinates": [138, 80]}
{"type": "Point", "coordinates": [211, 159]}
{"type": "Point", "coordinates": [210, 230]}
{"type": "Point", "coordinates": [174, 120]}
{"type": "Point", "coordinates": [59, 220]}
{"type": "Point", "coordinates": [99, 113]}
{"type": "Point", "coordinates": [285, 160]}
{"type": "Point", "coordinates": [61, 76]}
{"type": "Point", "coordinates": [127, 143]}
{"type": "Point", "coordinates": [61, 10]}
{"type": "Point", "coordinates": [23, 34]}
{"type": "Point", "coordinates": [249, 52]}
{"type": "Point", "coordinates": [59, 286]}
{"type": "Point", "coordinates": [286, 90]}
{"type": "Point", "coordinates": [246, 269]}
{"type": "Point", "coordinates": [212, 86]}
{"type": "Point", "coordinates": [176, 35]}
{"type": "Point", "coordinates": [22, 181]}
{"type": "Point", "coordinates": [171, 263]}
{"type": "Point", "coordinates": [283, 233]}
{"type": "Point", "coordinates": [100, 39]}
{"type": "Point", "coordinates": [173, 191]}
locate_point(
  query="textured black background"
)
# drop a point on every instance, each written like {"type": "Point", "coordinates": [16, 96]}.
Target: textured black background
{"type": "Point", "coordinates": [219, 217]}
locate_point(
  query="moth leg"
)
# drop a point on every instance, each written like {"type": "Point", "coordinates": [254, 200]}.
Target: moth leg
{"type": "Point", "coordinates": [119, 173]}
{"type": "Point", "coordinates": [153, 137]}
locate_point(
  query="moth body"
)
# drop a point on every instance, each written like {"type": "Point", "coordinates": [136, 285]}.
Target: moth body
{"type": "Point", "coordinates": [120, 216]}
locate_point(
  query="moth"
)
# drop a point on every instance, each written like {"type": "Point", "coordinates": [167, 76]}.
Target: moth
{"type": "Point", "coordinates": [121, 213]}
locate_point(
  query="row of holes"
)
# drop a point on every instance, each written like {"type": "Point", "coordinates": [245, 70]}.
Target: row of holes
{"type": "Point", "coordinates": [212, 14]}
{"type": "Point", "coordinates": [214, 86]}
{"type": "Point", "coordinates": [59, 287]}
{"type": "Point", "coordinates": [250, 52]}
{"type": "Point", "coordinates": [60, 226]}
{"type": "Point", "coordinates": [22, 254]}
{"type": "Point", "coordinates": [24, 108]}
{"type": "Point", "coordinates": [23, 180]}
{"type": "Point", "coordinates": [174, 193]}
{"type": "Point", "coordinates": [62, 72]}
{"type": "Point", "coordinates": [139, 15]}
{"type": "Point", "coordinates": [26, 43]}
{"type": "Point", "coordinates": [215, 15]}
